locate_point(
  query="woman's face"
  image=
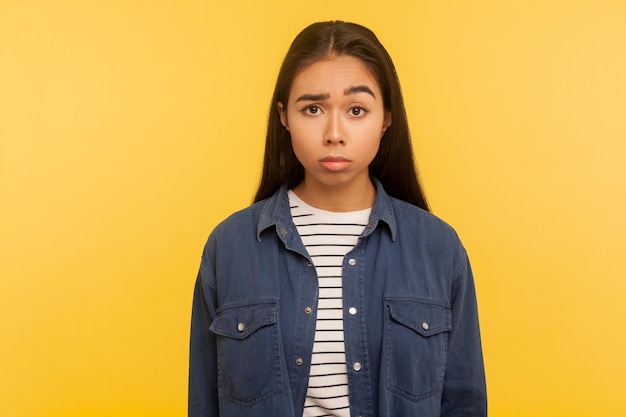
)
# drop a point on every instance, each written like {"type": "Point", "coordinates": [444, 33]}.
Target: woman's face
{"type": "Point", "coordinates": [336, 118]}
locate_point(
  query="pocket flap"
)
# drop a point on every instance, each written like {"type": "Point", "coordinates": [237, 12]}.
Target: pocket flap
{"type": "Point", "coordinates": [240, 320]}
{"type": "Point", "coordinates": [426, 318]}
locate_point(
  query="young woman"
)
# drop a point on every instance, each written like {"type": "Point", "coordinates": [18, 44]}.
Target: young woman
{"type": "Point", "coordinates": [337, 293]}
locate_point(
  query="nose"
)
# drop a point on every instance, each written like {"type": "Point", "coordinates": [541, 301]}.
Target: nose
{"type": "Point", "coordinates": [334, 131]}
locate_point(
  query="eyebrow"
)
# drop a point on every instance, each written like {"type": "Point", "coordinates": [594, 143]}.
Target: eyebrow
{"type": "Point", "coordinates": [358, 89]}
{"type": "Point", "coordinates": [348, 91]}
{"type": "Point", "coordinates": [313, 97]}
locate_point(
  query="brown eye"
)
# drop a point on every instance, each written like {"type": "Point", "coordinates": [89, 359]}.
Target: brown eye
{"type": "Point", "coordinates": [357, 111]}
{"type": "Point", "coordinates": [312, 109]}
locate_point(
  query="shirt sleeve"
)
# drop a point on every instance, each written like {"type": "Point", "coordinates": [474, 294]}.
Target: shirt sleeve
{"type": "Point", "coordinates": [202, 400]}
{"type": "Point", "coordinates": [464, 390]}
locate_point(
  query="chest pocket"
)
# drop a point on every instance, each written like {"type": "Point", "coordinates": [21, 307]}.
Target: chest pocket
{"type": "Point", "coordinates": [248, 354]}
{"type": "Point", "coordinates": [416, 345]}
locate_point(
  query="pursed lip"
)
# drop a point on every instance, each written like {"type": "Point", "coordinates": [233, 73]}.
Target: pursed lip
{"type": "Point", "coordinates": [334, 159]}
{"type": "Point", "coordinates": [335, 163]}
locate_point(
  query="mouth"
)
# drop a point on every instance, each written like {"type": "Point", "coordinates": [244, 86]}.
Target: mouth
{"type": "Point", "coordinates": [335, 163]}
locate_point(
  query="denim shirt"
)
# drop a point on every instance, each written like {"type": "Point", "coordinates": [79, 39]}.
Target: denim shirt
{"type": "Point", "coordinates": [410, 317]}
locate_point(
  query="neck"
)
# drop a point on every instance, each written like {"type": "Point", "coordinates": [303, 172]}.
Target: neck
{"type": "Point", "coordinates": [337, 198]}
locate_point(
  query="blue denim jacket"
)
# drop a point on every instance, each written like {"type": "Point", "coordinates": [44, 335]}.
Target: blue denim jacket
{"type": "Point", "coordinates": [412, 344]}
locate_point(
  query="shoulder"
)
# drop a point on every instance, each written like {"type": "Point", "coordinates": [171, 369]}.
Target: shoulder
{"type": "Point", "coordinates": [240, 222]}
{"type": "Point", "coordinates": [420, 231]}
{"type": "Point", "coordinates": [410, 221]}
{"type": "Point", "coordinates": [247, 224]}
{"type": "Point", "coordinates": [230, 238]}
{"type": "Point", "coordinates": [420, 228]}
{"type": "Point", "coordinates": [412, 217]}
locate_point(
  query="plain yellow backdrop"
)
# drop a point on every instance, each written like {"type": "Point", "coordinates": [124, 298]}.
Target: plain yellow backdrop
{"type": "Point", "coordinates": [130, 128]}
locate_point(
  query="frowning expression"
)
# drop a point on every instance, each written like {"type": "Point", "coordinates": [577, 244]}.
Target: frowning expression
{"type": "Point", "coordinates": [336, 118]}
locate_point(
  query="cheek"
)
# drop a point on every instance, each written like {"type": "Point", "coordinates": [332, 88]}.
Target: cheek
{"type": "Point", "coordinates": [304, 135]}
{"type": "Point", "coordinates": [375, 146]}
{"type": "Point", "coordinates": [372, 134]}
{"type": "Point", "coordinates": [301, 147]}
{"type": "Point", "coordinates": [372, 144]}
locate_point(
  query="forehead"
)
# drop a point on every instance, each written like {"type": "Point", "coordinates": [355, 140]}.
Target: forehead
{"type": "Point", "coordinates": [334, 74]}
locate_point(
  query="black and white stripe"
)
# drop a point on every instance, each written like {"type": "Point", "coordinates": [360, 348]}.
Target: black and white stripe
{"type": "Point", "coordinates": [328, 236]}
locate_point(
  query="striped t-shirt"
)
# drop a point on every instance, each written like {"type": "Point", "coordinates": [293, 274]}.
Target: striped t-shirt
{"type": "Point", "coordinates": [328, 236]}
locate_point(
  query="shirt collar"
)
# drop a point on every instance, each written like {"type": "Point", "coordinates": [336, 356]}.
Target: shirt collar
{"type": "Point", "coordinates": [275, 212]}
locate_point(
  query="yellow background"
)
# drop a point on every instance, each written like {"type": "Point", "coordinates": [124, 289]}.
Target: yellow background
{"type": "Point", "coordinates": [130, 128]}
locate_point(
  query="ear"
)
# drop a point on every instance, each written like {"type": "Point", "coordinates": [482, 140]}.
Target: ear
{"type": "Point", "coordinates": [386, 122]}
{"type": "Point", "coordinates": [283, 115]}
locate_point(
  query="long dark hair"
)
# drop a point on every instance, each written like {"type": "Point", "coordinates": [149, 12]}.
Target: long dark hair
{"type": "Point", "coordinates": [393, 165]}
